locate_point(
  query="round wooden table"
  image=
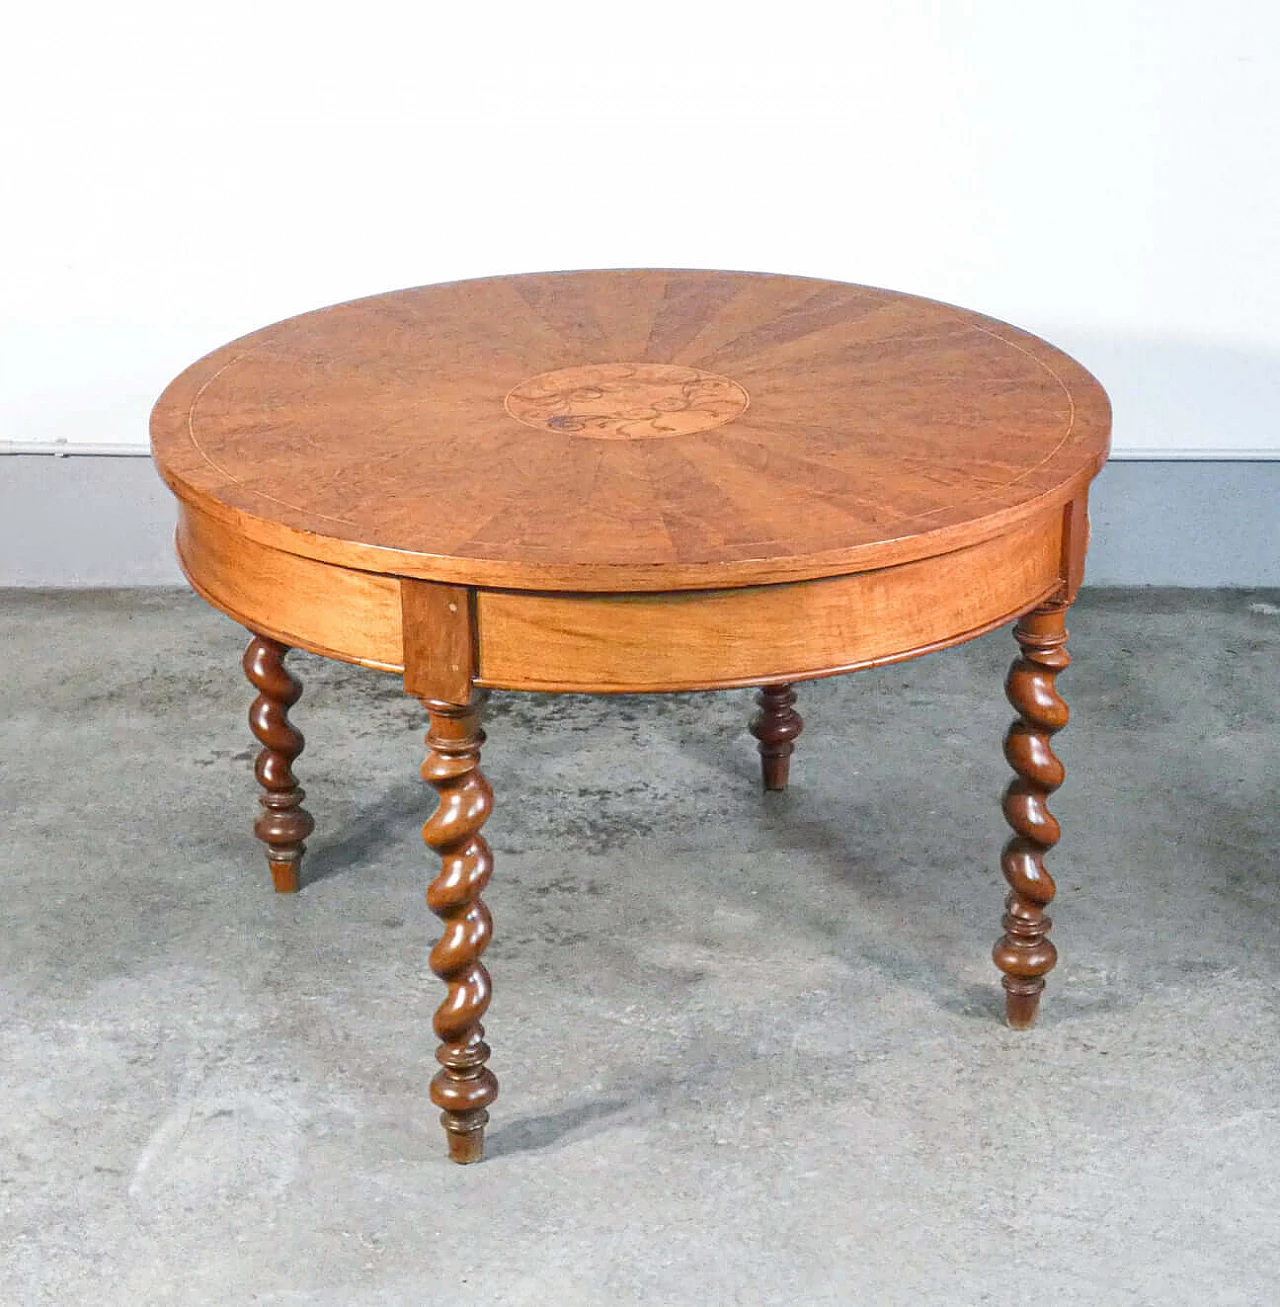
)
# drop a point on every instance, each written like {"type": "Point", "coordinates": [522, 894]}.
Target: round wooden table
{"type": "Point", "coordinates": [628, 481]}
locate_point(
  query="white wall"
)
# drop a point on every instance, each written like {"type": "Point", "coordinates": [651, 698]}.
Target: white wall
{"type": "Point", "coordinates": [1103, 172]}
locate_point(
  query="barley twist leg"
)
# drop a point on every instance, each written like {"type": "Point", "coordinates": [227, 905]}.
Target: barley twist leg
{"type": "Point", "coordinates": [1025, 953]}
{"type": "Point", "coordinates": [284, 823]}
{"type": "Point", "coordinates": [776, 726]}
{"type": "Point", "coordinates": [464, 1086]}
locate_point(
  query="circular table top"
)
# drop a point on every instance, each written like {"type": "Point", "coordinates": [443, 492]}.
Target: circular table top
{"type": "Point", "coordinates": [630, 430]}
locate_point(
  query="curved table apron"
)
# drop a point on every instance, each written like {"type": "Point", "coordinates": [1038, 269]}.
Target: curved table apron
{"type": "Point", "coordinates": [631, 481]}
{"type": "Point", "coordinates": [444, 637]}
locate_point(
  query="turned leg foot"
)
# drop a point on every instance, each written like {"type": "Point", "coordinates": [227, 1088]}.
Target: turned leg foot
{"type": "Point", "coordinates": [464, 1086]}
{"type": "Point", "coordinates": [284, 824]}
{"type": "Point", "coordinates": [1025, 954]}
{"type": "Point", "coordinates": [776, 726]}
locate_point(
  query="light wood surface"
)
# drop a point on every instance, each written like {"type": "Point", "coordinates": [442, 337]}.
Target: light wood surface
{"type": "Point", "coordinates": [630, 431]}
{"type": "Point", "coordinates": [632, 481]}
{"type": "Point", "coordinates": [748, 636]}
{"type": "Point", "coordinates": [354, 616]}
{"type": "Point", "coordinates": [446, 638]}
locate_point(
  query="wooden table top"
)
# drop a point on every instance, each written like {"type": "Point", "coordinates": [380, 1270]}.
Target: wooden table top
{"type": "Point", "coordinates": [630, 431]}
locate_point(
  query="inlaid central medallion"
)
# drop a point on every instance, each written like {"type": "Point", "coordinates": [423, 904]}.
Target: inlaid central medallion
{"type": "Point", "coordinates": [627, 401]}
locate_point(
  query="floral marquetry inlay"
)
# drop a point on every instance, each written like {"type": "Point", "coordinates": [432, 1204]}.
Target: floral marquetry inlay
{"type": "Point", "coordinates": [630, 429]}
{"type": "Point", "coordinates": [627, 401]}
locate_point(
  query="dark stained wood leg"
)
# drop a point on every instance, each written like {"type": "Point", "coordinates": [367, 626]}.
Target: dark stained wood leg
{"type": "Point", "coordinates": [776, 726]}
{"type": "Point", "coordinates": [284, 823]}
{"type": "Point", "coordinates": [1025, 953]}
{"type": "Point", "coordinates": [464, 1086]}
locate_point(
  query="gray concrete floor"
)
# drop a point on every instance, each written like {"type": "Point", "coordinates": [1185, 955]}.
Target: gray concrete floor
{"type": "Point", "coordinates": [749, 1046]}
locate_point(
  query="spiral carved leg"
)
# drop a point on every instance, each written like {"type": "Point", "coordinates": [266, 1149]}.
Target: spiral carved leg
{"type": "Point", "coordinates": [283, 824]}
{"type": "Point", "coordinates": [1025, 953]}
{"type": "Point", "coordinates": [464, 1086]}
{"type": "Point", "coordinates": [776, 726]}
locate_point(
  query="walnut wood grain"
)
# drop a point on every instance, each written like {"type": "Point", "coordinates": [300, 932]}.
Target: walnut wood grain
{"type": "Point", "coordinates": [877, 428]}
{"type": "Point", "coordinates": [439, 640]}
{"type": "Point", "coordinates": [354, 616]}
{"type": "Point", "coordinates": [464, 1087]}
{"type": "Point", "coordinates": [628, 481]}
{"type": "Point", "coordinates": [756, 634]}
{"type": "Point", "coordinates": [776, 725]}
{"type": "Point", "coordinates": [1075, 545]}
{"type": "Point", "coordinates": [1025, 953]}
{"type": "Point", "coordinates": [634, 643]}
{"type": "Point", "coordinates": [284, 823]}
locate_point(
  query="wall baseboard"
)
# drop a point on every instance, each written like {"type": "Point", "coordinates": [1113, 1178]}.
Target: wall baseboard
{"type": "Point", "coordinates": [92, 521]}
{"type": "Point", "coordinates": [95, 449]}
{"type": "Point", "coordinates": [1186, 524]}
{"type": "Point", "coordinates": [104, 521]}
